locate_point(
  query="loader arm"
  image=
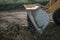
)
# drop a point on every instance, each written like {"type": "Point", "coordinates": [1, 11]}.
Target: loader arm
{"type": "Point", "coordinates": [55, 6]}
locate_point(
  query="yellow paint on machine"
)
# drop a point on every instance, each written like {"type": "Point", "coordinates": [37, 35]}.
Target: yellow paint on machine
{"type": "Point", "coordinates": [54, 6]}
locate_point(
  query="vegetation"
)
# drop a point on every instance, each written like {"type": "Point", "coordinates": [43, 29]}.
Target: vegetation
{"type": "Point", "coordinates": [13, 4]}
{"type": "Point", "coordinates": [10, 6]}
{"type": "Point", "coordinates": [20, 1]}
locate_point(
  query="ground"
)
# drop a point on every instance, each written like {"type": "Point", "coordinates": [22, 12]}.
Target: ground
{"type": "Point", "coordinates": [14, 15]}
{"type": "Point", "coordinates": [52, 31]}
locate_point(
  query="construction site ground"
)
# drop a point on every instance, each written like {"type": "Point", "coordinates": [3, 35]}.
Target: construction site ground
{"type": "Point", "coordinates": [52, 31]}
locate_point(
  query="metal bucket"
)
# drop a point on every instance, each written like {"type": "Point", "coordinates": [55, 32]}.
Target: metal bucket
{"type": "Point", "coordinates": [39, 18]}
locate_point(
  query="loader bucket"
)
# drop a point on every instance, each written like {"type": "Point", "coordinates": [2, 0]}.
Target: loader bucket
{"type": "Point", "coordinates": [39, 18]}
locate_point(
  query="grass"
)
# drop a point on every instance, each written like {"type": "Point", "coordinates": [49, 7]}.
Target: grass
{"type": "Point", "coordinates": [13, 4]}
{"type": "Point", "coordinates": [10, 6]}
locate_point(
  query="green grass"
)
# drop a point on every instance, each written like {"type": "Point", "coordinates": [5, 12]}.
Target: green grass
{"type": "Point", "coordinates": [13, 4]}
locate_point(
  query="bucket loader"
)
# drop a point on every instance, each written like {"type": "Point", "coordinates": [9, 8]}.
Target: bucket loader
{"type": "Point", "coordinates": [39, 18]}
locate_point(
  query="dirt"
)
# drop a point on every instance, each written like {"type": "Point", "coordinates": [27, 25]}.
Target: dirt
{"type": "Point", "coordinates": [52, 31]}
{"type": "Point", "coordinates": [14, 15]}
